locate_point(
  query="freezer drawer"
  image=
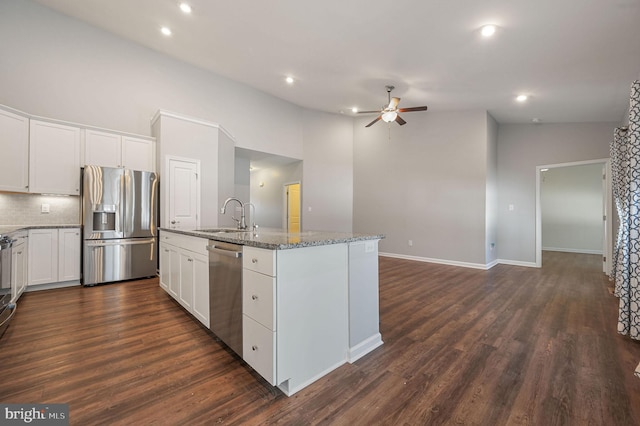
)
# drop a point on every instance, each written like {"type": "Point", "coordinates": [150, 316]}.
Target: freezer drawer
{"type": "Point", "coordinates": [118, 260]}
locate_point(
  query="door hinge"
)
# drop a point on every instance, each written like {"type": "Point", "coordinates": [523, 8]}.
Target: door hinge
{"type": "Point", "coordinates": [604, 258]}
{"type": "Point", "coordinates": [604, 217]}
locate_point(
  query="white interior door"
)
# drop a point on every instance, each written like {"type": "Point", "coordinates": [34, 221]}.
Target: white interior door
{"type": "Point", "coordinates": [184, 193]}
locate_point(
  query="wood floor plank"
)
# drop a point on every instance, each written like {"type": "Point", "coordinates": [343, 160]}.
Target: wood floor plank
{"type": "Point", "coordinates": [508, 346]}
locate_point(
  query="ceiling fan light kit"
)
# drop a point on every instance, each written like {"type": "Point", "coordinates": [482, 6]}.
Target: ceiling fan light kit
{"type": "Point", "coordinates": [390, 112]}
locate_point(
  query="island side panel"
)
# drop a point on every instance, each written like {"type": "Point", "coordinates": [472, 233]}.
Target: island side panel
{"type": "Point", "coordinates": [312, 314]}
{"type": "Point", "coordinates": [364, 334]}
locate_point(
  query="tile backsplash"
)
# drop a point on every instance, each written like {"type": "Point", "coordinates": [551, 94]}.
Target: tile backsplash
{"type": "Point", "coordinates": [26, 209]}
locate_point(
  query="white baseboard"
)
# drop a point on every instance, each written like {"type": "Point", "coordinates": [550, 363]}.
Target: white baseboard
{"type": "Point", "coordinates": [442, 261]}
{"type": "Point", "coordinates": [462, 264]}
{"type": "Point", "coordinates": [572, 250]}
{"type": "Point", "coordinates": [289, 388]}
{"type": "Point", "coordinates": [517, 263]}
{"type": "Point", "coordinates": [361, 349]}
{"type": "Point", "coordinates": [49, 286]}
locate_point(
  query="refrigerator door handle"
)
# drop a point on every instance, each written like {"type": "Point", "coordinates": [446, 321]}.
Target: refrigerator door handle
{"type": "Point", "coordinates": [101, 243]}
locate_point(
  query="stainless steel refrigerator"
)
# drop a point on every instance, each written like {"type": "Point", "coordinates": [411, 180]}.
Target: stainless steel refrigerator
{"type": "Point", "coordinates": [119, 215]}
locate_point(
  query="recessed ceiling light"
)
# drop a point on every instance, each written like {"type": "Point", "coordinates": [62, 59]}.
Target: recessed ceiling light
{"type": "Point", "coordinates": [521, 98]}
{"type": "Point", "coordinates": [488, 30]}
{"type": "Point", "coordinates": [354, 110]}
{"type": "Point", "coordinates": [166, 31]}
{"type": "Point", "coordinates": [289, 80]}
{"type": "Point", "coordinates": [185, 7]}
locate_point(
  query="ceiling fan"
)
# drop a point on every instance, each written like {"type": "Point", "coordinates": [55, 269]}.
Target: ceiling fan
{"type": "Point", "coordinates": [390, 112]}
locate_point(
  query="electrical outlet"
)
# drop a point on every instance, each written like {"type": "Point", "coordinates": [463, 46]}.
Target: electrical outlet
{"type": "Point", "coordinates": [410, 243]}
{"type": "Point", "coordinates": [45, 208]}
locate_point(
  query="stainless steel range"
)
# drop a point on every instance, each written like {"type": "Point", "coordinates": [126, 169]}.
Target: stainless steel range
{"type": "Point", "coordinates": [7, 309]}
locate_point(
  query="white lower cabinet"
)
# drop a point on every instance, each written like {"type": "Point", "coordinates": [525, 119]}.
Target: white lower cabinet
{"type": "Point", "coordinates": [184, 272]}
{"type": "Point", "coordinates": [258, 348]}
{"type": "Point", "coordinates": [295, 313]}
{"type": "Point", "coordinates": [258, 311]}
{"type": "Point", "coordinates": [54, 255]}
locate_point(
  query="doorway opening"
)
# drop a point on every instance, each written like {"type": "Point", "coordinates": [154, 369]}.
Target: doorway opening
{"type": "Point", "coordinates": [573, 209]}
{"type": "Point", "coordinates": [292, 207]}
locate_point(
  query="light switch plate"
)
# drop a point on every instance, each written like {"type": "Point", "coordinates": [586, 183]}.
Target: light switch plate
{"type": "Point", "coordinates": [45, 208]}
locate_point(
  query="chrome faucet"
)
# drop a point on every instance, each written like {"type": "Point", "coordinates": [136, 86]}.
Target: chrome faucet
{"type": "Point", "coordinates": [252, 216]}
{"type": "Point", "coordinates": [241, 222]}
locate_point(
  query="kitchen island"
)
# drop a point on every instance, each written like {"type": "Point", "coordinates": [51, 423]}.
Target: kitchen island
{"type": "Point", "coordinates": [309, 299]}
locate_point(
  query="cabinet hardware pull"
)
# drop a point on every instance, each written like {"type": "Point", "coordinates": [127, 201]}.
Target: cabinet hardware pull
{"type": "Point", "coordinates": [254, 348]}
{"type": "Point", "coordinates": [190, 260]}
{"type": "Point", "coordinates": [254, 260]}
{"type": "Point", "coordinates": [254, 297]}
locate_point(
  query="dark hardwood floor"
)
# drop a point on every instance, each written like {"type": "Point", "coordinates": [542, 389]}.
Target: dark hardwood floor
{"type": "Point", "coordinates": [508, 346]}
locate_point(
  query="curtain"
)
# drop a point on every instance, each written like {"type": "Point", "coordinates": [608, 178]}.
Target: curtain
{"type": "Point", "coordinates": [625, 168]}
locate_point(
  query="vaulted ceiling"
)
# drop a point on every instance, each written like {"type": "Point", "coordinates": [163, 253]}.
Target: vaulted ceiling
{"type": "Point", "coordinates": [575, 59]}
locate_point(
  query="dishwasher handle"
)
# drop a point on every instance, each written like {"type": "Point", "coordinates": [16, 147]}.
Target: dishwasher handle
{"type": "Point", "coordinates": [223, 252]}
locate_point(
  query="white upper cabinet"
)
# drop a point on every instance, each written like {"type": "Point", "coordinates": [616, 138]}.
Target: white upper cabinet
{"type": "Point", "coordinates": [54, 158]}
{"type": "Point", "coordinates": [113, 150]}
{"type": "Point", "coordinates": [138, 154]}
{"type": "Point", "coordinates": [14, 146]}
{"type": "Point", "coordinates": [102, 149]}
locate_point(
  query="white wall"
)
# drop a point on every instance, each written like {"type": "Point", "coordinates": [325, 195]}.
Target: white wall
{"type": "Point", "coordinates": [59, 67]}
{"type": "Point", "coordinates": [327, 176]}
{"type": "Point", "coordinates": [522, 147]}
{"type": "Point", "coordinates": [426, 182]}
{"type": "Point", "coordinates": [56, 66]}
{"type": "Point", "coordinates": [491, 236]}
{"type": "Point", "coordinates": [572, 207]}
{"type": "Point", "coordinates": [268, 199]}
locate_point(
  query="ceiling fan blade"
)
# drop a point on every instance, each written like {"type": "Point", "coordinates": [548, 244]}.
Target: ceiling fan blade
{"type": "Point", "coordinates": [369, 112]}
{"type": "Point", "coordinates": [374, 121]}
{"type": "Point", "coordinates": [400, 121]}
{"type": "Point", "coordinates": [420, 108]}
{"type": "Point", "coordinates": [394, 103]}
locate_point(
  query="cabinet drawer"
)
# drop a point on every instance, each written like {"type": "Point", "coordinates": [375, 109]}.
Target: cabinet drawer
{"type": "Point", "coordinates": [259, 260]}
{"type": "Point", "coordinates": [258, 298]}
{"type": "Point", "coordinates": [258, 351]}
{"type": "Point", "coordinates": [194, 244]}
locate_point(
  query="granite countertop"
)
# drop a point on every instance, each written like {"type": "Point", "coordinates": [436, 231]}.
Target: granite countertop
{"type": "Point", "coordinates": [11, 229]}
{"type": "Point", "coordinates": [277, 239]}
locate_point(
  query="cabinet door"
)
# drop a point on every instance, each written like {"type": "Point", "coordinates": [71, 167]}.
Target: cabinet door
{"type": "Point", "coordinates": [14, 146]}
{"type": "Point", "coordinates": [68, 254]}
{"type": "Point", "coordinates": [137, 154]}
{"type": "Point", "coordinates": [102, 149]}
{"type": "Point", "coordinates": [201, 288]}
{"type": "Point", "coordinates": [259, 348]}
{"type": "Point", "coordinates": [43, 256]}
{"type": "Point", "coordinates": [185, 296]}
{"type": "Point", "coordinates": [54, 158]}
{"type": "Point", "coordinates": [165, 266]}
{"type": "Point", "coordinates": [174, 280]}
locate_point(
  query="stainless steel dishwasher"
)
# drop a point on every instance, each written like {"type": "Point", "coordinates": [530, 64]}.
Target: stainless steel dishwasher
{"type": "Point", "coordinates": [225, 293]}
